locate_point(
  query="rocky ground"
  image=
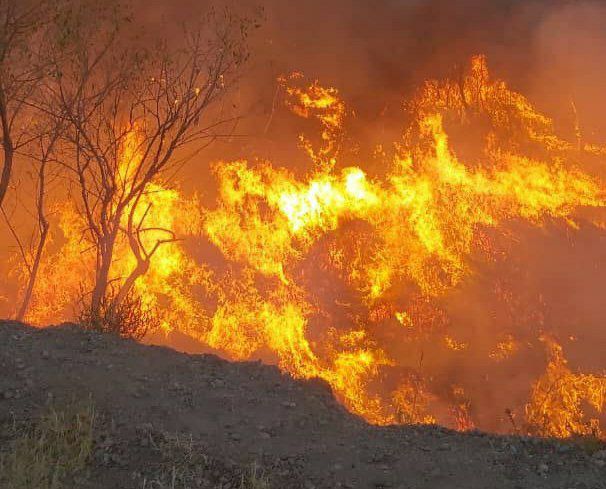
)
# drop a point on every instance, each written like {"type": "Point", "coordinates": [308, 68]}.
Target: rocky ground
{"type": "Point", "coordinates": [169, 420]}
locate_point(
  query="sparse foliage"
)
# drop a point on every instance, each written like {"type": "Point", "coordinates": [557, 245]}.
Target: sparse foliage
{"type": "Point", "coordinates": [130, 318]}
{"type": "Point", "coordinates": [29, 134]}
{"type": "Point", "coordinates": [23, 24]}
{"type": "Point", "coordinates": [133, 114]}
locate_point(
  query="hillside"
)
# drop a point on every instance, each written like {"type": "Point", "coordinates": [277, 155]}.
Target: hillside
{"type": "Point", "coordinates": [166, 419]}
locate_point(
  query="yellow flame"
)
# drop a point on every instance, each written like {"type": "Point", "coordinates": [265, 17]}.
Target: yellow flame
{"type": "Point", "coordinates": [556, 407]}
{"type": "Point", "coordinates": [422, 218]}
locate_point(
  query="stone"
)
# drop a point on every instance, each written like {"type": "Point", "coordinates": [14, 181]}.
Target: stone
{"type": "Point", "coordinates": [600, 455]}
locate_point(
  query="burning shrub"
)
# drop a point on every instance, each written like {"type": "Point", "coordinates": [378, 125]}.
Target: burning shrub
{"type": "Point", "coordinates": [128, 318]}
{"type": "Point", "coordinates": [558, 397]}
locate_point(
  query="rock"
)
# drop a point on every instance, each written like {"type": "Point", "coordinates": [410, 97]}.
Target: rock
{"type": "Point", "coordinates": [117, 460]}
{"type": "Point", "coordinates": [599, 455]}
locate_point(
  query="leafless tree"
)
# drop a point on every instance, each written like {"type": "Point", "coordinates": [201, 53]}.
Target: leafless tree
{"type": "Point", "coordinates": [27, 35]}
{"type": "Point", "coordinates": [22, 26]}
{"type": "Point", "coordinates": [42, 155]}
{"type": "Point", "coordinates": [132, 114]}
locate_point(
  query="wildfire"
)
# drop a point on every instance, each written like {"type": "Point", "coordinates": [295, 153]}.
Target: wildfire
{"type": "Point", "coordinates": [385, 250]}
{"type": "Point", "coordinates": [556, 404]}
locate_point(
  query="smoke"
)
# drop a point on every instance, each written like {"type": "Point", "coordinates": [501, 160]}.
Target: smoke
{"type": "Point", "coordinates": [569, 44]}
{"type": "Point", "coordinates": [377, 54]}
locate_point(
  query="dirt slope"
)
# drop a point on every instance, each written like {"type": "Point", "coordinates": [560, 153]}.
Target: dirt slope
{"type": "Point", "coordinates": [234, 414]}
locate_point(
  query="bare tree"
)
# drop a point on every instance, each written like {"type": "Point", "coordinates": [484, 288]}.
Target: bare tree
{"type": "Point", "coordinates": [42, 156]}
{"type": "Point", "coordinates": [22, 24]}
{"type": "Point", "coordinates": [132, 115]}
{"type": "Point", "coordinates": [27, 34]}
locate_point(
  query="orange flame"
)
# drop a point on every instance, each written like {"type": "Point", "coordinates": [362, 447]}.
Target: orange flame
{"type": "Point", "coordinates": [418, 226]}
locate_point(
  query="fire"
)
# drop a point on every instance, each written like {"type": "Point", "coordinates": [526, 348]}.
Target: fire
{"type": "Point", "coordinates": [556, 402]}
{"type": "Point", "coordinates": [337, 273]}
{"type": "Point", "coordinates": [324, 105]}
{"type": "Point", "coordinates": [166, 212]}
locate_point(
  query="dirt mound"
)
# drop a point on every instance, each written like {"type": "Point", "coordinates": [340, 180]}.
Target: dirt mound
{"type": "Point", "coordinates": [166, 419]}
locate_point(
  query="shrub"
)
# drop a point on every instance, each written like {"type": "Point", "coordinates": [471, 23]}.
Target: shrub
{"type": "Point", "coordinates": [131, 318]}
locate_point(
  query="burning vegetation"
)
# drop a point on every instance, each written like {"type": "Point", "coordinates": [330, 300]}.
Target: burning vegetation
{"type": "Point", "coordinates": [345, 272]}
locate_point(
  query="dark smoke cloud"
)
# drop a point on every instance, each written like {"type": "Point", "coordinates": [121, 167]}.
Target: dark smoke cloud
{"type": "Point", "coordinates": [378, 52]}
{"type": "Point", "coordinates": [362, 45]}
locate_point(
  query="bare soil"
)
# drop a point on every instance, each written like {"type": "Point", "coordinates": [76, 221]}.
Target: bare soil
{"type": "Point", "coordinates": [165, 418]}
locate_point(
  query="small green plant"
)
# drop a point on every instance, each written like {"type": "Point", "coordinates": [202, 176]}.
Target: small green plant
{"type": "Point", "coordinates": [45, 455]}
{"type": "Point", "coordinates": [130, 318]}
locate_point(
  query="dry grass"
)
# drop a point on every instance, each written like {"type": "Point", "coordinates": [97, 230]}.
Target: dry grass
{"type": "Point", "coordinates": [184, 465]}
{"type": "Point", "coordinates": [46, 455]}
{"type": "Point", "coordinates": [254, 478]}
{"type": "Point", "coordinates": [181, 466]}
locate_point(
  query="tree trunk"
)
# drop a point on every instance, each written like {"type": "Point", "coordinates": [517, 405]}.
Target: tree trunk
{"type": "Point", "coordinates": [27, 296]}
{"type": "Point", "coordinates": [140, 270]}
{"type": "Point", "coordinates": [99, 293]}
{"type": "Point", "coordinates": [7, 145]}
{"type": "Point", "coordinates": [44, 227]}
